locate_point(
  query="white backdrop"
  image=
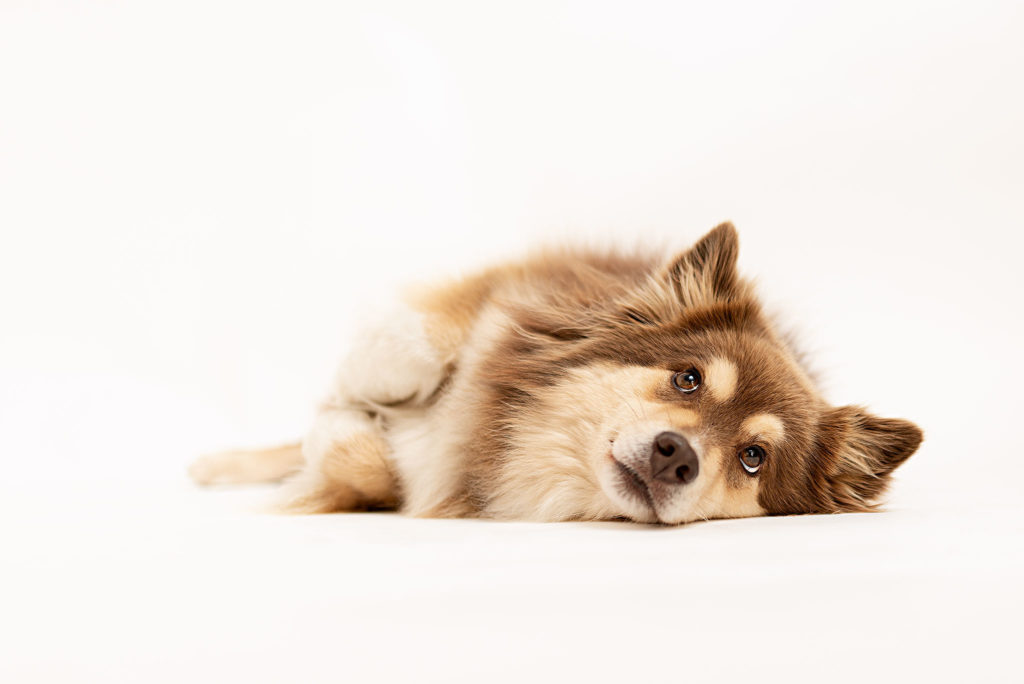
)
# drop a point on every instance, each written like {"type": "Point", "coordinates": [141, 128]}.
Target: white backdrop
{"type": "Point", "coordinates": [196, 199]}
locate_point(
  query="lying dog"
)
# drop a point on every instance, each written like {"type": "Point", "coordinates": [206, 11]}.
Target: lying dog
{"type": "Point", "coordinates": [582, 386]}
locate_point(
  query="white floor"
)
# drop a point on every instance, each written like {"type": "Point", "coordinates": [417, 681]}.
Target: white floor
{"type": "Point", "coordinates": [168, 583]}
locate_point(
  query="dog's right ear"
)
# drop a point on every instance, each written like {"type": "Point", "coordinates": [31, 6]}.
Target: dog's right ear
{"type": "Point", "coordinates": [706, 272]}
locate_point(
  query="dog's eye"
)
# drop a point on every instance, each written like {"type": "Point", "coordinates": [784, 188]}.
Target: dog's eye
{"type": "Point", "coordinates": [687, 381]}
{"type": "Point", "coordinates": [752, 458]}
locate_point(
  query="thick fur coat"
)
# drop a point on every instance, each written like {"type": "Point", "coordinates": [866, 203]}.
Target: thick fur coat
{"type": "Point", "coordinates": [582, 385]}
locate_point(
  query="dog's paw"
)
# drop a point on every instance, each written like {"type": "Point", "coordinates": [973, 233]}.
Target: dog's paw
{"type": "Point", "coordinates": [393, 361]}
{"type": "Point", "coordinates": [211, 469]}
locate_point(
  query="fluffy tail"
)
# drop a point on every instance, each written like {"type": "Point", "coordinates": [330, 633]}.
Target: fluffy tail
{"type": "Point", "coordinates": [247, 467]}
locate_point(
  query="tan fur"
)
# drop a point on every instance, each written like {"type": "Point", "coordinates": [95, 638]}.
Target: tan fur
{"type": "Point", "coordinates": [451, 308]}
{"type": "Point", "coordinates": [347, 464]}
{"type": "Point", "coordinates": [537, 390]}
{"type": "Point", "coordinates": [544, 478]}
{"type": "Point", "coordinates": [247, 467]}
{"type": "Point", "coordinates": [353, 474]}
{"type": "Point", "coordinates": [682, 417]}
{"type": "Point", "coordinates": [764, 426]}
{"type": "Point", "coordinates": [727, 497]}
{"type": "Point", "coordinates": [721, 376]}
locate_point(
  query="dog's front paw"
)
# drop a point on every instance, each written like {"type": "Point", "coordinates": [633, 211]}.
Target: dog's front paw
{"type": "Point", "coordinates": [207, 469]}
{"type": "Point", "coordinates": [392, 362]}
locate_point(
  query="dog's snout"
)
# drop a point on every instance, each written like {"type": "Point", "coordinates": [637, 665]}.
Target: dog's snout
{"type": "Point", "coordinates": [673, 460]}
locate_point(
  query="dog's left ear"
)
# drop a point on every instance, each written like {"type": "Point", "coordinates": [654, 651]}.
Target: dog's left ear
{"type": "Point", "coordinates": [703, 275]}
{"type": "Point", "coordinates": [857, 454]}
{"type": "Point", "coordinates": [707, 271]}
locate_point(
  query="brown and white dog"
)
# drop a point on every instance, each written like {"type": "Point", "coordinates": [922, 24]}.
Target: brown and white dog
{"type": "Point", "coordinates": [581, 385]}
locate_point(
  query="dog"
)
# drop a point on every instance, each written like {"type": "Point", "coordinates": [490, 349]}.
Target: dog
{"type": "Point", "coordinates": [582, 385]}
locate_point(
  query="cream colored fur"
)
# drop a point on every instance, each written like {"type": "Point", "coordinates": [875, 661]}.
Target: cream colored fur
{"type": "Point", "coordinates": [518, 393]}
{"type": "Point", "coordinates": [560, 467]}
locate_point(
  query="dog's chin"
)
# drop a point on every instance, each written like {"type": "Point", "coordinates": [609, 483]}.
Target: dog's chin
{"type": "Point", "coordinates": [628, 491]}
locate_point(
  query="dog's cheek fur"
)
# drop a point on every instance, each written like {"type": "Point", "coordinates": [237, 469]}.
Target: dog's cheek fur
{"type": "Point", "coordinates": [724, 496]}
{"type": "Point", "coordinates": [555, 445]}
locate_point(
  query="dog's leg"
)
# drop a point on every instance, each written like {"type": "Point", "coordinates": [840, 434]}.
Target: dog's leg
{"type": "Point", "coordinates": [342, 465]}
{"type": "Point", "coordinates": [347, 466]}
{"type": "Point", "coordinates": [396, 364]}
{"type": "Point", "coordinates": [247, 467]}
{"type": "Point", "coordinates": [393, 365]}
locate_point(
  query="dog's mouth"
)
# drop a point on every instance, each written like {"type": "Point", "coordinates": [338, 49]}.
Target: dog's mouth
{"type": "Point", "coordinates": [635, 486]}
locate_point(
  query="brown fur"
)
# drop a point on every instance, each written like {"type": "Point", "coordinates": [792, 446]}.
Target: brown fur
{"type": "Point", "coordinates": [538, 355]}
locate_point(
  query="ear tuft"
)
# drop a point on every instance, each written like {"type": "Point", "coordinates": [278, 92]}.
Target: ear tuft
{"type": "Point", "coordinates": [707, 271]}
{"type": "Point", "coordinates": [860, 451]}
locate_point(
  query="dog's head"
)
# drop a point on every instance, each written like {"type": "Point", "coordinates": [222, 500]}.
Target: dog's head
{"type": "Point", "coordinates": [680, 402]}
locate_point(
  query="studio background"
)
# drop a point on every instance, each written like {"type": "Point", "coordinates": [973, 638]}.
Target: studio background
{"type": "Point", "coordinates": [198, 200]}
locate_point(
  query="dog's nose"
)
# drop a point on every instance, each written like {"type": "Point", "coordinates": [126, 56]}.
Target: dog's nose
{"type": "Point", "coordinates": [673, 461]}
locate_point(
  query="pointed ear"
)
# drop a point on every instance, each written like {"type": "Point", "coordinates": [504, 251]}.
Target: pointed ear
{"type": "Point", "coordinates": [707, 271]}
{"type": "Point", "coordinates": [858, 452]}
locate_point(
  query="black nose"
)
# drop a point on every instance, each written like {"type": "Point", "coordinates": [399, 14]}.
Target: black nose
{"type": "Point", "coordinates": [673, 461]}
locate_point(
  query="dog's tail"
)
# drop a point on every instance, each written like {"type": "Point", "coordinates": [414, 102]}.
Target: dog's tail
{"type": "Point", "coordinates": [247, 467]}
